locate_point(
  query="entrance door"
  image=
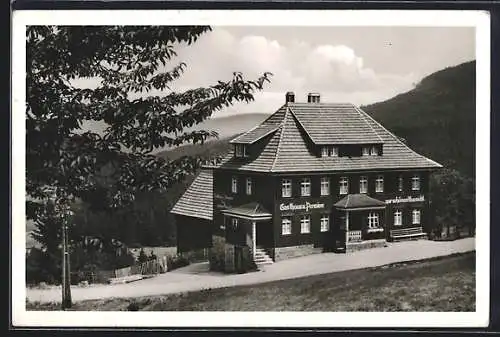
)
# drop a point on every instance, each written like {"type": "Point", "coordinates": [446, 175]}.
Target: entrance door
{"type": "Point", "coordinates": [264, 234]}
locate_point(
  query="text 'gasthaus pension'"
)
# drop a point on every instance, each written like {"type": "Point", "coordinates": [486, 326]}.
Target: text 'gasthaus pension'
{"type": "Point", "coordinates": [299, 207]}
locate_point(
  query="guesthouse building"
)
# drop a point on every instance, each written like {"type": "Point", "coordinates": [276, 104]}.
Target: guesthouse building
{"type": "Point", "coordinates": [310, 178]}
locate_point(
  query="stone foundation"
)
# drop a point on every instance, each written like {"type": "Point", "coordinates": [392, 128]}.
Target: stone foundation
{"type": "Point", "coordinates": [423, 236]}
{"type": "Point", "coordinates": [355, 246]}
{"type": "Point", "coordinates": [283, 253]}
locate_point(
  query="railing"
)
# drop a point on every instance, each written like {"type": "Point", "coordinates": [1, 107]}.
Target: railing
{"type": "Point", "coordinates": [354, 236]}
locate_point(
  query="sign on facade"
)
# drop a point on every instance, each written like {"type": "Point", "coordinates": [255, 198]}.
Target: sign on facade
{"type": "Point", "coordinates": [399, 200]}
{"type": "Point", "coordinates": [301, 207]}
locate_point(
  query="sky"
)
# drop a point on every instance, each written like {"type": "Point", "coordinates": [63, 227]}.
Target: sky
{"type": "Point", "coordinates": [359, 65]}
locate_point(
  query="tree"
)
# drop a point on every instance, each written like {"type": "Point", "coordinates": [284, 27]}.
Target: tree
{"type": "Point", "coordinates": [107, 169]}
{"type": "Point", "coordinates": [453, 200]}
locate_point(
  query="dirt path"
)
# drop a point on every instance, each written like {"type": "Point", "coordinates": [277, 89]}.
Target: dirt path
{"type": "Point", "coordinates": [197, 276]}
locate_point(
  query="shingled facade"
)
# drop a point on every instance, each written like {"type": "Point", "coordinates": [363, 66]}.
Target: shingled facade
{"type": "Point", "coordinates": [312, 177]}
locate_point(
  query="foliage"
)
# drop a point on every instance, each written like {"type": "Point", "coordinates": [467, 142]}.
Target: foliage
{"type": "Point", "coordinates": [40, 267]}
{"type": "Point", "coordinates": [142, 256]}
{"type": "Point", "coordinates": [217, 255]}
{"type": "Point", "coordinates": [453, 199]}
{"type": "Point", "coordinates": [129, 63]}
{"type": "Point", "coordinates": [178, 261]}
{"type": "Point", "coordinates": [99, 173]}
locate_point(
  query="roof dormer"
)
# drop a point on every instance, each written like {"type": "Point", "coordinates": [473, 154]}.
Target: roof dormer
{"type": "Point", "coordinates": [240, 150]}
{"type": "Point", "coordinates": [329, 151]}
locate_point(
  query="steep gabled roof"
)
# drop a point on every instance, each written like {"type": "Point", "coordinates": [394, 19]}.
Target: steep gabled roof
{"type": "Point", "coordinates": [197, 201]}
{"type": "Point", "coordinates": [305, 125]}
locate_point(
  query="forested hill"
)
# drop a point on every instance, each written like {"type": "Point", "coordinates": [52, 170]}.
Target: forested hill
{"type": "Point", "coordinates": [437, 118]}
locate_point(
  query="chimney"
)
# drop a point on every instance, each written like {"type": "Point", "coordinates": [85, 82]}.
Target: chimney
{"type": "Point", "coordinates": [290, 97]}
{"type": "Point", "coordinates": [313, 97]}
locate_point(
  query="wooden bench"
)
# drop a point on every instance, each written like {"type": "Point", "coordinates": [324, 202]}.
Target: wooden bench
{"type": "Point", "coordinates": [407, 233]}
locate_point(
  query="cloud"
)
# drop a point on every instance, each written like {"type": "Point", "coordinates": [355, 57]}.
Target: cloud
{"type": "Point", "coordinates": [334, 70]}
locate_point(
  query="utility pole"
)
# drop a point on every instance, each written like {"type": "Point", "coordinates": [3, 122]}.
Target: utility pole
{"type": "Point", "coordinates": [63, 210]}
{"type": "Point", "coordinates": [66, 274]}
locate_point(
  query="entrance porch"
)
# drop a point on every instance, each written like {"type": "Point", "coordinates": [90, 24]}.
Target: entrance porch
{"type": "Point", "coordinates": [361, 223]}
{"type": "Point", "coordinates": [250, 226]}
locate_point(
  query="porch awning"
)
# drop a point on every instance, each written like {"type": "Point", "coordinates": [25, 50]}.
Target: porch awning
{"type": "Point", "coordinates": [250, 211]}
{"type": "Point", "coordinates": [359, 202]}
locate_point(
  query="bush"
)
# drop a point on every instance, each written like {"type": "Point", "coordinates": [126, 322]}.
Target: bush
{"type": "Point", "coordinates": [174, 262]}
{"type": "Point", "coordinates": [42, 267]}
{"type": "Point", "coordinates": [453, 202]}
{"type": "Point", "coordinates": [217, 255]}
{"type": "Point", "coordinates": [246, 263]}
{"type": "Point", "coordinates": [142, 256]}
{"type": "Point", "coordinates": [193, 256]}
{"type": "Point", "coordinates": [133, 306]}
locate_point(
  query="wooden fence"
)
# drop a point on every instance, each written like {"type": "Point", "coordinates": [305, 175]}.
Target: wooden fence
{"type": "Point", "coordinates": [151, 267]}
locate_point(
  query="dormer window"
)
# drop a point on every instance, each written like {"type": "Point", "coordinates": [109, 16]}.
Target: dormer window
{"type": "Point", "coordinates": [366, 151]}
{"type": "Point", "coordinates": [240, 151]}
{"type": "Point", "coordinates": [370, 150]}
{"type": "Point", "coordinates": [329, 151]}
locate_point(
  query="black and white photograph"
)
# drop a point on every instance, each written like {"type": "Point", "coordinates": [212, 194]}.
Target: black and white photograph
{"type": "Point", "coordinates": [250, 168]}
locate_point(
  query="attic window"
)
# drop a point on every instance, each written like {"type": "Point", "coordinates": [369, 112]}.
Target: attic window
{"type": "Point", "coordinates": [240, 150]}
{"type": "Point", "coordinates": [329, 151]}
{"type": "Point", "coordinates": [370, 150]}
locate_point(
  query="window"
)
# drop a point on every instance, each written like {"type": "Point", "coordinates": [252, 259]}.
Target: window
{"type": "Point", "coordinates": [249, 186]}
{"type": "Point", "coordinates": [305, 187]}
{"type": "Point", "coordinates": [329, 151]}
{"type": "Point", "coordinates": [240, 150]}
{"type": "Point", "coordinates": [333, 151]}
{"type": "Point", "coordinates": [286, 226]}
{"type": "Point", "coordinates": [400, 183]}
{"type": "Point", "coordinates": [363, 184]}
{"type": "Point", "coordinates": [415, 219]}
{"type": "Point", "coordinates": [305, 224]}
{"type": "Point", "coordinates": [379, 184]}
{"type": "Point", "coordinates": [415, 183]}
{"type": "Point", "coordinates": [324, 151]}
{"type": "Point", "coordinates": [373, 220]}
{"type": "Point", "coordinates": [325, 186]}
{"type": "Point", "coordinates": [343, 185]}
{"type": "Point", "coordinates": [398, 218]}
{"type": "Point", "coordinates": [370, 150]}
{"type": "Point", "coordinates": [235, 223]}
{"type": "Point", "coordinates": [325, 223]}
{"type": "Point", "coordinates": [286, 188]}
{"type": "Point", "coordinates": [234, 185]}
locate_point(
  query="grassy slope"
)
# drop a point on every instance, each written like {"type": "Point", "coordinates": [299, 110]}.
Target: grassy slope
{"type": "Point", "coordinates": [439, 284]}
{"type": "Point", "coordinates": [437, 118]}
